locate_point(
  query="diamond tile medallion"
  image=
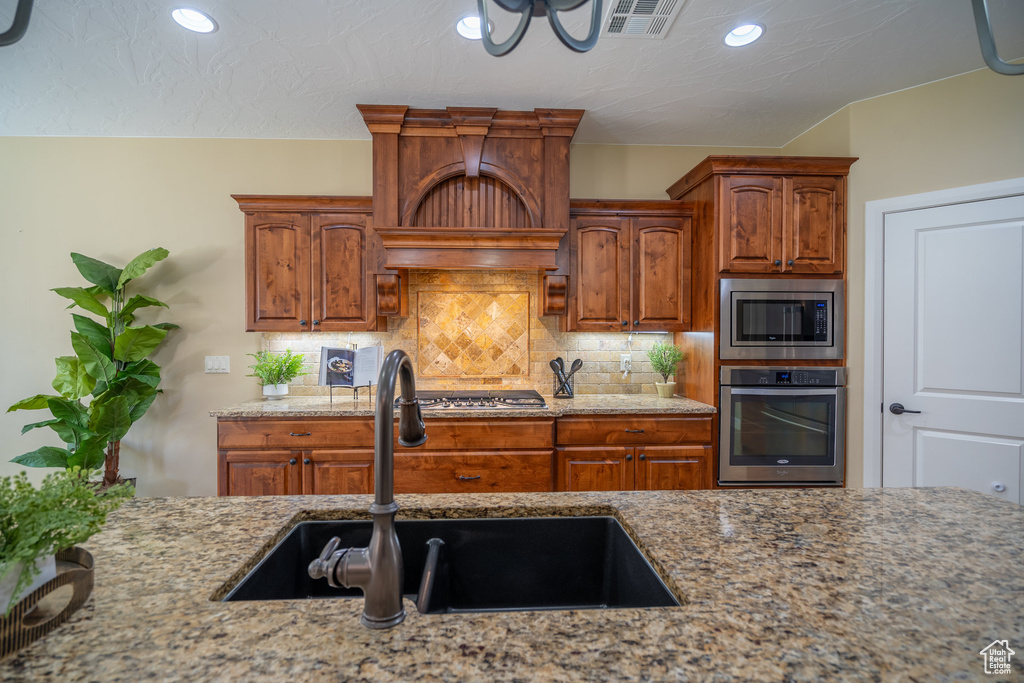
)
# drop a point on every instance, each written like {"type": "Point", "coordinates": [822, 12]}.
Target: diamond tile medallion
{"type": "Point", "coordinates": [473, 334]}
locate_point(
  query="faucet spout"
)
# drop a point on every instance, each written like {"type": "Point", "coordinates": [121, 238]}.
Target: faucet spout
{"type": "Point", "coordinates": [377, 569]}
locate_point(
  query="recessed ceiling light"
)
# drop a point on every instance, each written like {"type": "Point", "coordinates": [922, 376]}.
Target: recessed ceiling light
{"type": "Point", "coordinates": [743, 35]}
{"type": "Point", "coordinates": [469, 27]}
{"type": "Point", "coordinates": [194, 20]}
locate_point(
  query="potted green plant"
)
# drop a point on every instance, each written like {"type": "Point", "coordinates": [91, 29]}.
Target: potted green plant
{"type": "Point", "coordinates": [664, 358]}
{"type": "Point", "coordinates": [35, 523]}
{"type": "Point", "coordinates": [275, 370]}
{"type": "Point", "coordinates": [111, 365]}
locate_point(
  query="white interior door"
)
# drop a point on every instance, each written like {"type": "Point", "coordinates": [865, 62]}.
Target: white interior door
{"type": "Point", "coordinates": [953, 347]}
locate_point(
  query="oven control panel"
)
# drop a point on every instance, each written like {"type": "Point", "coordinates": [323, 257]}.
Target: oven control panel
{"type": "Point", "coordinates": [783, 377]}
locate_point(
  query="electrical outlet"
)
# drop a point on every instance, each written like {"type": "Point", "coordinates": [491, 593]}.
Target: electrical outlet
{"type": "Point", "coordinates": [626, 362]}
{"type": "Point", "coordinates": [217, 365]}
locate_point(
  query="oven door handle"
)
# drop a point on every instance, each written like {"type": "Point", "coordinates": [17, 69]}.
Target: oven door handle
{"type": "Point", "coordinates": [776, 391]}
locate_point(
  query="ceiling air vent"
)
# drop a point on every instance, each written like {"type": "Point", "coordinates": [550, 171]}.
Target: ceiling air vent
{"type": "Point", "coordinates": [641, 18]}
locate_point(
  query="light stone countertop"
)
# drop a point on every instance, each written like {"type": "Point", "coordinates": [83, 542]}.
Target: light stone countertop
{"type": "Point", "coordinates": [593, 404]}
{"type": "Point", "coordinates": [783, 584]}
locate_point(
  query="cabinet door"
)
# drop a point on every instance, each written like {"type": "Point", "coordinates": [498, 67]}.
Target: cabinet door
{"type": "Point", "coordinates": [259, 473]}
{"type": "Point", "coordinates": [338, 471]}
{"type": "Point", "coordinates": [342, 291]}
{"type": "Point", "coordinates": [814, 225]}
{"type": "Point", "coordinates": [600, 268]}
{"type": "Point", "coordinates": [277, 272]}
{"type": "Point", "coordinates": [673, 468]}
{"type": "Point", "coordinates": [589, 468]}
{"type": "Point", "coordinates": [750, 224]}
{"type": "Point", "coordinates": [661, 274]}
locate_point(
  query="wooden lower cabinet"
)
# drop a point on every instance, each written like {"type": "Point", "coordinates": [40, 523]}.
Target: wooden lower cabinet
{"type": "Point", "coordinates": [289, 456]}
{"type": "Point", "coordinates": [633, 452]}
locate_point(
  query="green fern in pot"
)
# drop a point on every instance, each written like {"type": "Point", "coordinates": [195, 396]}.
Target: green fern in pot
{"type": "Point", "coordinates": [275, 370]}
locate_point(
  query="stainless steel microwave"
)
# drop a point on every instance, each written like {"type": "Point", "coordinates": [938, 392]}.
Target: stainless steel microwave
{"type": "Point", "coordinates": [781, 319]}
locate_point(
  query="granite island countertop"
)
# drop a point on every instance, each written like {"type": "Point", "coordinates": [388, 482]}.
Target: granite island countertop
{"type": "Point", "coordinates": [812, 584]}
{"type": "Point", "coordinates": [590, 404]}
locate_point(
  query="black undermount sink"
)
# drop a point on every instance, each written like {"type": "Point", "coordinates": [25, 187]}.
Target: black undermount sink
{"type": "Point", "coordinates": [484, 565]}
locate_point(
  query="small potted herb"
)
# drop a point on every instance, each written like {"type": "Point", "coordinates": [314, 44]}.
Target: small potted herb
{"type": "Point", "coordinates": [275, 370]}
{"type": "Point", "coordinates": [664, 359]}
{"type": "Point", "coordinates": [35, 523]}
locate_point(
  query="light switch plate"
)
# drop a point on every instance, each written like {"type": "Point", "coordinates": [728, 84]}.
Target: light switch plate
{"type": "Point", "coordinates": [217, 365]}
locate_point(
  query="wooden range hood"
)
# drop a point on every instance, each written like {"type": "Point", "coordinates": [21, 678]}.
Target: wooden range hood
{"type": "Point", "coordinates": [470, 187]}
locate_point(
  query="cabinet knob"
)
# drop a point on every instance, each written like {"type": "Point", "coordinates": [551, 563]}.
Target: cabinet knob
{"type": "Point", "coordinates": [625, 322]}
{"type": "Point", "coordinates": [317, 322]}
{"type": "Point", "coordinates": [643, 456]}
{"type": "Point", "coordinates": [788, 263]}
{"type": "Point", "coordinates": [292, 461]}
{"type": "Point", "coordinates": [302, 322]}
{"type": "Point", "coordinates": [778, 262]}
{"type": "Point", "coordinates": [305, 461]}
{"type": "Point", "coordinates": [636, 322]}
{"type": "Point", "coordinates": [629, 457]}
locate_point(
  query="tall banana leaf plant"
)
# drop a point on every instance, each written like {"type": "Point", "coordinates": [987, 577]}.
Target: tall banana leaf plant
{"type": "Point", "coordinates": [110, 365]}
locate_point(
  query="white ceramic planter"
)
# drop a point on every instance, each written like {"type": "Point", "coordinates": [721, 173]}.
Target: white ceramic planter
{"type": "Point", "coordinates": [275, 391]}
{"type": "Point", "coordinates": [665, 389]}
{"type": "Point", "coordinates": [47, 570]}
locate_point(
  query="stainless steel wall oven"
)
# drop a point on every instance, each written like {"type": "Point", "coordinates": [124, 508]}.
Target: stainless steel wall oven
{"type": "Point", "coordinates": [782, 425]}
{"type": "Point", "coordinates": [781, 319]}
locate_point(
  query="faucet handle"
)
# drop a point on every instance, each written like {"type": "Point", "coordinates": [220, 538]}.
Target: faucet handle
{"type": "Point", "coordinates": [323, 566]}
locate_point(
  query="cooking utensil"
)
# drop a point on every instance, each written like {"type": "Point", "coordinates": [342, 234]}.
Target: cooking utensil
{"type": "Point", "coordinates": [564, 386]}
{"type": "Point", "coordinates": [559, 369]}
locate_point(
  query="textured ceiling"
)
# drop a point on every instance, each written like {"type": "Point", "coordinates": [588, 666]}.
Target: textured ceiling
{"type": "Point", "coordinates": [297, 69]}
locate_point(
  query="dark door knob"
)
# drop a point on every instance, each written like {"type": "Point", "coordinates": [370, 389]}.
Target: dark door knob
{"type": "Point", "coordinates": [778, 262]}
{"type": "Point", "coordinates": [302, 322]}
{"type": "Point", "coordinates": [643, 456]}
{"type": "Point", "coordinates": [898, 409]}
{"type": "Point", "coordinates": [305, 461]}
{"type": "Point", "coordinates": [625, 322]}
{"type": "Point", "coordinates": [629, 457]}
{"type": "Point", "coordinates": [788, 263]}
{"type": "Point", "coordinates": [292, 461]}
{"type": "Point", "coordinates": [636, 322]}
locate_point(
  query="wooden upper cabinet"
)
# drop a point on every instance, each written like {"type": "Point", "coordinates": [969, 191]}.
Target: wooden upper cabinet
{"type": "Point", "coordinates": [630, 270]}
{"type": "Point", "coordinates": [310, 264]}
{"type": "Point", "coordinates": [601, 272]}
{"type": "Point", "coordinates": [661, 274]}
{"type": "Point", "coordinates": [814, 232]}
{"type": "Point", "coordinates": [343, 294]}
{"type": "Point", "coordinates": [751, 222]}
{"type": "Point", "coordinates": [277, 270]}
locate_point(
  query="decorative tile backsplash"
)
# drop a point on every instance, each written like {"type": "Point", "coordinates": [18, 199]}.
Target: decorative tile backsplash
{"type": "Point", "coordinates": [473, 334]}
{"type": "Point", "coordinates": [600, 351]}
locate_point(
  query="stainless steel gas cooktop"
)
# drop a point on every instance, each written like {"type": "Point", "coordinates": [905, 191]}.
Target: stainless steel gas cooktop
{"type": "Point", "coordinates": [479, 399]}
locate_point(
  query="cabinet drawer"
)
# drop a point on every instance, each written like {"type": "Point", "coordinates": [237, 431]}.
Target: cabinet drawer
{"type": "Point", "coordinates": [490, 435]}
{"type": "Point", "coordinates": [297, 434]}
{"type": "Point", "coordinates": [473, 472]}
{"type": "Point", "coordinates": [633, 429]}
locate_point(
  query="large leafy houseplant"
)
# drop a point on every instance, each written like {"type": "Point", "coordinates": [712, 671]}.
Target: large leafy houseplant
{"type": "Point", "coordinates": [34, 523]}
{"type": "Point", "coordinates": [110, 364]}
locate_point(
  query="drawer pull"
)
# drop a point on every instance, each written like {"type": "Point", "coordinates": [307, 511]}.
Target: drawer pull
{"type": "Point", "coordinates": [300, 434]}
{"type": "Point", "coordinates": [461, 477]}
{"type": "Point", "coordinates": [689, 462]}
{"type": "Point", "coordinates": [634, 431]}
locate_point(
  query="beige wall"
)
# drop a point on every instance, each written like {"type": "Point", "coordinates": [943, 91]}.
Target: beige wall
{"type": "Point", "coordinates": [960, 131]}
{"type": "Point", "coordinates": [112, 198]}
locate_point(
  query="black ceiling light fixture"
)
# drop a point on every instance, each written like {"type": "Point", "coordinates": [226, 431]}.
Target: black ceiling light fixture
{"type": "Point", "coordinates": [538, 8]}
{"type": "Point", "coordinates": [19, 25]}
{"type": "Point", "coordinates": [988, 43]}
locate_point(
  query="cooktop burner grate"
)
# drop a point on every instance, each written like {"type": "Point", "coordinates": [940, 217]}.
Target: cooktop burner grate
{"type": "Point", "coordinates": [479, 399]}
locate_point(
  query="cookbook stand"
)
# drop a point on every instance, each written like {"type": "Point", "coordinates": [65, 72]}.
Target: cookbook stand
{"type": "Point", "coordinates": [355, 392]}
